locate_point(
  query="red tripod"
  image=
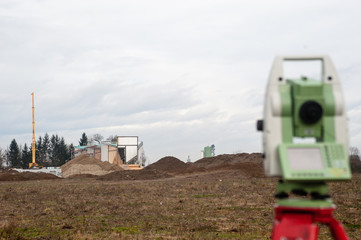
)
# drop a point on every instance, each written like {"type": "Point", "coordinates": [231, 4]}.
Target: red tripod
{"type": "Point", "coordinates": [297, 223]}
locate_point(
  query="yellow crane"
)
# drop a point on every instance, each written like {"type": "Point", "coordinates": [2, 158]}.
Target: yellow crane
{"type": "Point", "coordinates": [33, 164]}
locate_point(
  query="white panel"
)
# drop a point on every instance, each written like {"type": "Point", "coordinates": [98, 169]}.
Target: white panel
{"type": "Point", "coordinates": [126, 141]}
{"type": "Point", "coordinates": [104, 153]}
{"type": "Point", "coordinates": [131, 152]}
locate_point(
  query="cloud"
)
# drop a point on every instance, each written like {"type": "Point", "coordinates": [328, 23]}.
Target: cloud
{"type": "Point", "coordinates": [181, 75]}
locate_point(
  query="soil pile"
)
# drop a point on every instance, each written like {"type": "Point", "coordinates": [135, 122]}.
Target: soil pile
{"type": "Point", "coordinates": [13, 175]}
{"type": "Point", "coordinates": [228, 160]}
{"type": "Point", "coordinates": [247, 164]}
{"type": "Point", "coordinates": [168, 164]}
{"type": "Point", "coordinates": [143, 174]}
{"type": "Point", "coordinates": [84, 164]}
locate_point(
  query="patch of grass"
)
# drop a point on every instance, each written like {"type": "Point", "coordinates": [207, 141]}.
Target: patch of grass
{"type": "Point", "coordinates": [127, 230]}
{"type": "Point", "coordinates": [204, 196]}
{"type": "Point", "coordinates": [353, 226]}
{"type": "Point", "coordinates": [30, 232]}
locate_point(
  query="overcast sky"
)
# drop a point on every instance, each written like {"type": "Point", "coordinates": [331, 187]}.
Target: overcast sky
{"type": "Point", "coordinates": [181, 75]}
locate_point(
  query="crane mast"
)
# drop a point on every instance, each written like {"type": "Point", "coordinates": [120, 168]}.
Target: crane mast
{"type": "Point", "coordinates": [33, 164]}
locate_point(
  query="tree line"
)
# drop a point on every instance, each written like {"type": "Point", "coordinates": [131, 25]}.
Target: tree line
{"type": "Point", "coordinates": [50, 151]}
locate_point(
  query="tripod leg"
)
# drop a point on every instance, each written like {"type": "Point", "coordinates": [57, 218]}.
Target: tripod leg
{"type": "Point", "coordinates": [337, 230]}
{"type": "Point", "coordinates": [293, 226]}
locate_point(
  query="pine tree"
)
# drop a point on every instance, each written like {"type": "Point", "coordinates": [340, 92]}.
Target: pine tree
{"type": "Point", "coordinates": [38, 151]}
{"type": "Point", "coordinates": [83, 140]}
{"type": "Point", "coordinates": [63, 153]}
{"type": "Point", "coordinates": [26, 156]}
{"type": "Point", "coordinates": [42, 153]}
{"type": "Point", "coordinates": [54, 149]}
{"type": "Point", "coordinates": [14, 154]}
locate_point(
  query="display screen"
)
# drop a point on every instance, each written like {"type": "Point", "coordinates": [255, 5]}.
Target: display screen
{"type": "Point", "coordinates": [305, 158]}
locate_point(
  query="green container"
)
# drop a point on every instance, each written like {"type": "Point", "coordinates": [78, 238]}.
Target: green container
{"type": "Point", "coordinates": [208, 151]}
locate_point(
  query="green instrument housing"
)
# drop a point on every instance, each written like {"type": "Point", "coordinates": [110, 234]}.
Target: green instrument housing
{"type": "Point", "coordinates": [308, 111]}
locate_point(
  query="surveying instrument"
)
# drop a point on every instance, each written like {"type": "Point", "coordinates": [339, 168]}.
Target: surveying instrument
{"type": "Point", "coordinates": [304, 109]}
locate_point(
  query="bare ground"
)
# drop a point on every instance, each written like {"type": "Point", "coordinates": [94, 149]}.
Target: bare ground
{"type": "Point", "coordinates": [225, 203]}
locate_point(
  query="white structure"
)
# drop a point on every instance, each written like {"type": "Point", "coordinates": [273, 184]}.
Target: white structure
{"type": "Point", "coordinates": [109, 153]}
{"type": "Point", "coordinates": [128, 149]}
{"type": "Point", "coordinates": [141, 155]}
{"type": "Point", "coordinates": [52, 170]}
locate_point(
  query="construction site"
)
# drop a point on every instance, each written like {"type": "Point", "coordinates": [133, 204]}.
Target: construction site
{"type": "Point", "coordinates": [288, 192]}
{"type": "Point", "coordinates": [106, 191]}
{"type": "Point", "coordinates": [221, 197]}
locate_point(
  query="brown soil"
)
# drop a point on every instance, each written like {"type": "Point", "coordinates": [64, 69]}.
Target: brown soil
{"type": "Point", "coordinates": [12, 175]}
{"type": "Point", "coordinates": [246, 165]}
{"type": "Point", "coordinates": [135, 175]}
{"type": "Point", "coordinates": [223, 197]}
{"type": "Point", "coordinates": [214, 205]}
{"type": "Point", "coordinates": [82, 176]}
{"type": "Point", "coordinates": [84, 164]}
{"type": "Point", "coordinates": [168, 164]}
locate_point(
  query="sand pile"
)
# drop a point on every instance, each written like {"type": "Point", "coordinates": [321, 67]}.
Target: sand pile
{"type": "Point", "coordinates": [12, 175]}
{"type": "Point", "coordinates": [84, 164]}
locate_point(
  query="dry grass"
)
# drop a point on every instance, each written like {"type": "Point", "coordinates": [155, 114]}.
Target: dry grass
{"type": "Point", "coordinates": [210, 206]}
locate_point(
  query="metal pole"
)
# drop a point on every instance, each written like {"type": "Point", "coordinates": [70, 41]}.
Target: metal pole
{"type": "Point", "coordinates": [33, 164]}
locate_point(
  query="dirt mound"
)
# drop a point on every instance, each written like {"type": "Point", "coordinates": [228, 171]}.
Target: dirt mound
{"type": "Point", "coordinates": [148, 174]}
{"type": "Point", "coordinates": [248, 164]}
{"type": "Point", "coordinates": [228, 159]}
{"type": "Point", "coordinates": [168, 164]}
{"type": "Point", "coordinates": [84, 164]}
{"type": "Point", "coordinates": [13, 175]}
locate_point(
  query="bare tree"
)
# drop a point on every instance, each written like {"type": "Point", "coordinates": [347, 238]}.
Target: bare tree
{"type": "Point", "coordinates": [97, 137]}
{"type": "Point", "coordinates": [2, 158]}
{"type": "Point", "coordinates": [112, 138]}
